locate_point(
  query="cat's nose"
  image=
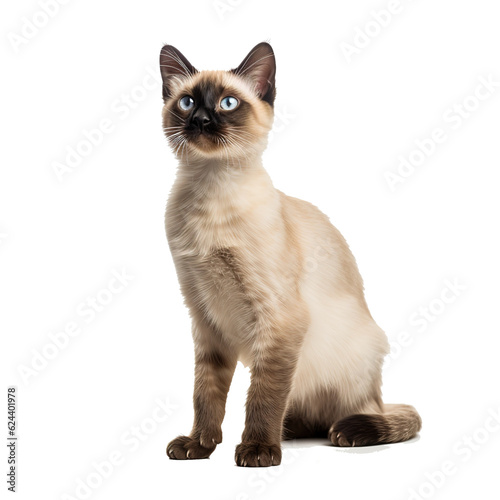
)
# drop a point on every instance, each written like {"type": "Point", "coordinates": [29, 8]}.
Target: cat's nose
{"type": "Point", "coordinates": [201, 118]}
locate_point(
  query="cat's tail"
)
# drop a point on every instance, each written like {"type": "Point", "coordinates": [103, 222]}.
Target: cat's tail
{"type": "Point", "coordinates": [397, 423]}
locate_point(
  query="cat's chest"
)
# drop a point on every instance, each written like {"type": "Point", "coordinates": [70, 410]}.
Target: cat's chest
{"type": "Point", "coordinates": [209, 230]}
{"type": "Point", "coordinates": [227, 210]}
{"type": "Point", "coordinates": [216, 248]}
{"type": "Point", "coordinates": [204, 228]}
{"type": "Point", "coordinates": [226, 260]}
{"type": "Point", "coordinates": [224, 268]}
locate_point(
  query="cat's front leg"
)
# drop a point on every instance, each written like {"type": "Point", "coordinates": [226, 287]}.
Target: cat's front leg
{"type": "Point", "coordinates": [274, 364]}
{"type": "Point", "coordinates": [214, 368]}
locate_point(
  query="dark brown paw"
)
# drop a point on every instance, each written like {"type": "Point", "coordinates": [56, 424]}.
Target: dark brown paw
{"type": "Point", "coordinates": [187, 448]}
{"type": "Point", "coordinates": [257, 455]}
{"type": "Point", "coordinates": [358, 430]}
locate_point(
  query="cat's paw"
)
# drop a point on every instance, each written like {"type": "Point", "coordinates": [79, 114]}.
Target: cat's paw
{"type": "Point", "coordinates": [187, 448]}
{"type": "Point", "coordinates": [358, 430]}
{"type": "Point", "coordinates": [338, 439]}
{"type": "Point", "coordinates": [257, 455]}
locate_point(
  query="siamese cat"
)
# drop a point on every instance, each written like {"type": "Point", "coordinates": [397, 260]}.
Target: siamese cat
{"type": "Point", "coordinates": [267, 279]}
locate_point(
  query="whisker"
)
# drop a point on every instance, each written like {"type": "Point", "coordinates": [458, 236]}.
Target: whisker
{"type": "Point", "coordinates": [175, 114]}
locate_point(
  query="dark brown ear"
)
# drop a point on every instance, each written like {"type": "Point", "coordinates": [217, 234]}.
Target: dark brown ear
{"type": "Point", "coordinates": [173, 65]}
{"type": "Point", "coordinates": [260, 67]}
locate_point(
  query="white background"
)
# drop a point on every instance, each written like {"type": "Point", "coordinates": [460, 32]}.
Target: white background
{"type": "Point", "coordinates": [343, 124]}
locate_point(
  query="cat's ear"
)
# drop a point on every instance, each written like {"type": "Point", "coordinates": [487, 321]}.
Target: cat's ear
{"type": "Point", "coordinates": [259, 66]}
{"type": "Point", "coordinates": [173, 65]}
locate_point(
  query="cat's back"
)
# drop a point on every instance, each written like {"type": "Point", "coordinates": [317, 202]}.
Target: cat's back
{"type": "Point", "coordinates": [325, 250]}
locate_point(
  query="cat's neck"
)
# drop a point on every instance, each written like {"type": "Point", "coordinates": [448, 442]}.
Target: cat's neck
{"type": "Point", "coordinates": [232, 183]}
{"type": "Point", "coordinates": [207, 176]}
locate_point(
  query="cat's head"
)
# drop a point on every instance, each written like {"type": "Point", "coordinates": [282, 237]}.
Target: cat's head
{"type": "Point", "coordinates": [218, 114]}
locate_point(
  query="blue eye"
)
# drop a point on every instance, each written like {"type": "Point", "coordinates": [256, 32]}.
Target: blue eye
{"type": "Point", "coordinates": [186, 103]}
{"type": "Point", "coordinates": [229, 103]}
